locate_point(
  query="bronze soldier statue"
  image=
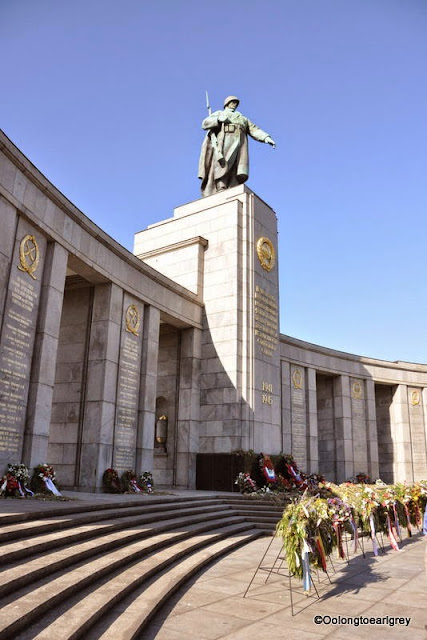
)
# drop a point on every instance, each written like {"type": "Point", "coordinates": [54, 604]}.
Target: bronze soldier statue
{"type": "Point", "coordinates": [224, 160]}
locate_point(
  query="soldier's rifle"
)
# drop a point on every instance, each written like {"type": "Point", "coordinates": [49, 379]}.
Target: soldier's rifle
{"type": "Point", "coordinates": [214, 139]}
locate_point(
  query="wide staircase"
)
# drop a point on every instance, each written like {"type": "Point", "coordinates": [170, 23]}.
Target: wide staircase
{"type": "Point", "coordinates": [103, 570]}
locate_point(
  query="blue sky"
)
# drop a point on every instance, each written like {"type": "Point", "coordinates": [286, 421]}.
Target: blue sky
{"type": "Point", "coordinates": [106, 99]}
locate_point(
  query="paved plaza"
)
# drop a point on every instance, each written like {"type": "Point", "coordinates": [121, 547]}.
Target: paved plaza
{"type": "Point", "coordinates": [212, 606]}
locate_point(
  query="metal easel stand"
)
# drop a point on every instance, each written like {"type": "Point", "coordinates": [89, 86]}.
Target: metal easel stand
{"type": "Point", "coordinates": [278, 567]}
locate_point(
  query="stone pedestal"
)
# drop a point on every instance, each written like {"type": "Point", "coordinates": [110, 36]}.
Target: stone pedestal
{"type": "Point", "coordinates": [225, 247]}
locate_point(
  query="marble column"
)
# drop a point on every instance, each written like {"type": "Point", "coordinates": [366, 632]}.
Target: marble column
{"type": "Point", "coordinates": [286, 407]}
{"type": "Point", "coordinates": [312, 431]}
{"type": "Point", "coordinates": [188, 423]}
{"type": "Point", "coordinates": [8, 217]}
{"type": "Point", "coordinates": [42, 379]}
{"type": "Point", "coordinates": [418, 432]}
{"type": "Point", "coordinates": [100, 392]}
{"type": "Point", "coordinates": [343, 429]}
{"type": "Point", "coordinates": [401, 436]}
{"type": "Point", "coordinates": [372, 432]}
{"type": "Point", "coordinates": [147, 401]}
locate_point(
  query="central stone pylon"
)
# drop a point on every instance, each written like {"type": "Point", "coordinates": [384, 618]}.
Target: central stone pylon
{"type": "Point", "coordinates": [224, 249]}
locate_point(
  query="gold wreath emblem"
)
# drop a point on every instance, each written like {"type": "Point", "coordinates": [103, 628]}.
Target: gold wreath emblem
{"type": "Point", "coordinates": [415, 397]}
{"type": "Point", "coordinates": [29, 255]}
{"type": "Point", "coordinates": [357, 390]}
{"type": "Point", "coordinates": [297, 379]}
{"type": "Point", "coordinates": [266, 253]}
{"type": "Point", "coordinates": [133, 320]}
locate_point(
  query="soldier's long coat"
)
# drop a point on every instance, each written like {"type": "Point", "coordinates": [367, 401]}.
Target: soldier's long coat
{"type": "Point", "coordinates": [232, 141]}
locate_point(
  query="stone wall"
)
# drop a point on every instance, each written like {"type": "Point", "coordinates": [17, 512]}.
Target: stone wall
{"type": "Point", "coordinates": [371, 414]}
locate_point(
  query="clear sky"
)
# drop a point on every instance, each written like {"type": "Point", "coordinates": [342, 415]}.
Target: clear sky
{"type": "Point", "coordinates": [106, 98]}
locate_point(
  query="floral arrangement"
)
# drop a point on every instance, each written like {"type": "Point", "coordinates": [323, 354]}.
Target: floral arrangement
{"type": "Point", "coordinates": [14, 482]}
{"type": "Point", "coordinates": [308, 536]}
{"type": "Point", "coordinates": [312, 526]}
{"type": "Point", "coordinates": [280, 474]}
{"type": "Point", "coordinates": [9, 486]}
{"type": "Point", "coordinates": [245, 483]}
{"type": "Point", "coordinates": [146, 481]}
{"type": "Point", "coordinates": [111, 481]}
{"type": "Point", "coordinates": [267, 468]}
{"type": "Point", "coordinates": [129, 482]}
{"type": "Point", "coordinates": [43, 480]}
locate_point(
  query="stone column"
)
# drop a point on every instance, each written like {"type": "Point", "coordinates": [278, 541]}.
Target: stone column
{"type": "Point", "coordinates": [343, 428]}
{"type": "Point", "coordinates": [100, 393]}
{"type": "Point", "coordinates": [312, 433]}
{"type": "Point", "coordinates": [359, 427]}
{"type": "Point", "coordinates": [8, 217]}
{"type": "Point", "coordinates": [418, 433]}
{"type": "Point", "coordinates": [286, 407]}
{"type": "Point", "coordinates": [372, 432]}
{"type": "Point", "coordinates": [147, 402]}
{"type": "Point", "coordinates": [401, 435]}
{"type": "Point", "coordinates": [42, 379]}
{"type": "Point", "coordinates": [188, 422]}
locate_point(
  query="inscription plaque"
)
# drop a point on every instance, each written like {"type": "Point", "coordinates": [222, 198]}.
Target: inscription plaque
{"type": "Point", "coordinates": [127, 392]}
{"type": "Point", "coordinates": [16, 345]}
{"type": "Point", "coordinates": [266, 321]}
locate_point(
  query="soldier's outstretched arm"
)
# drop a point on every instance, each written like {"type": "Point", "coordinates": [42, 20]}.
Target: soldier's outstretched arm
{"type": "Point", "coordinates": [258, 134]}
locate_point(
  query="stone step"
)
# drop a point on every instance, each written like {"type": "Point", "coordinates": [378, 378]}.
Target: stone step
{"type": "Point", "coordinates": [54, 523]}
{"type": "Point", "coordinates": [52, 562]}
{"type": "Point", "coordinates": [180, 561]}
{"type": "Point", "coordinates": [69, 508]}
{"type": "Point", "coordinates": [21, 548]}
{"type": "Point", "coordinates": [126, 623]}
{"type": "Point", "coordinates": [22, 609]}
{"type": "Point", "coordinates": [21, 575]}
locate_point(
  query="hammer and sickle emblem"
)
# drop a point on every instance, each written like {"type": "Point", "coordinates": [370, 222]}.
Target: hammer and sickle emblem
{"type": "Point", "coordinates": [297, 379]}
{"type": "Point", "coordinates": [133, 320]}
{"type": "Point", "coordinates": [266, 253]}
{"type": "Point", "coordinates": [29, 255]}
{"type": "Point", "coordinates": [415, 397]}
{"type": "Point", "coordinates": [357, 390]}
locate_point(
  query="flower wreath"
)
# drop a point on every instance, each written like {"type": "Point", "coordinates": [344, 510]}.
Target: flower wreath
{"type": "Point", "coordinates": [146, 481]}
{"type": "Point", "coordinates": [129, 482]}
{"type": "Point", "coordinates": [111, 481]}
{"type": "Point", "coordinates": [245, 483]}
{"type": "Point", "coordinates": [43, 480]}
{"type": "Point", "coordinates": [267, 468]}
{"type": "Point", "coordinates": [14, 482]}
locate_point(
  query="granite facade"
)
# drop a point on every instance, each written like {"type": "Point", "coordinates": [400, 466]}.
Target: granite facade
{"type": "Point", "coordinates": [96, 344]}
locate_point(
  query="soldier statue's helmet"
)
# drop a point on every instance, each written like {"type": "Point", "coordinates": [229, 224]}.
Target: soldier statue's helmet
{"type": "Point", "coordinates": [231, 99]}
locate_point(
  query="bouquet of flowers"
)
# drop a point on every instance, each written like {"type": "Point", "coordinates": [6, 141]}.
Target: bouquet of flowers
{"type": "Point", "coordinates": [14, 483]}
{"type": "Point", "coordinates": [9, 486]}
{"type": "Point", "coordinates": [245, 483]}
{"type": "Point", "coordinates": [418, 504]}
{"type": "Point", "coordinates": [111, 481]}
{"type": "Point", "coordinates": [146, 481]}
{"type": "Point", "coordinates": [43, 480]}
{"type": "Point", "coordinates": [129, 482]}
